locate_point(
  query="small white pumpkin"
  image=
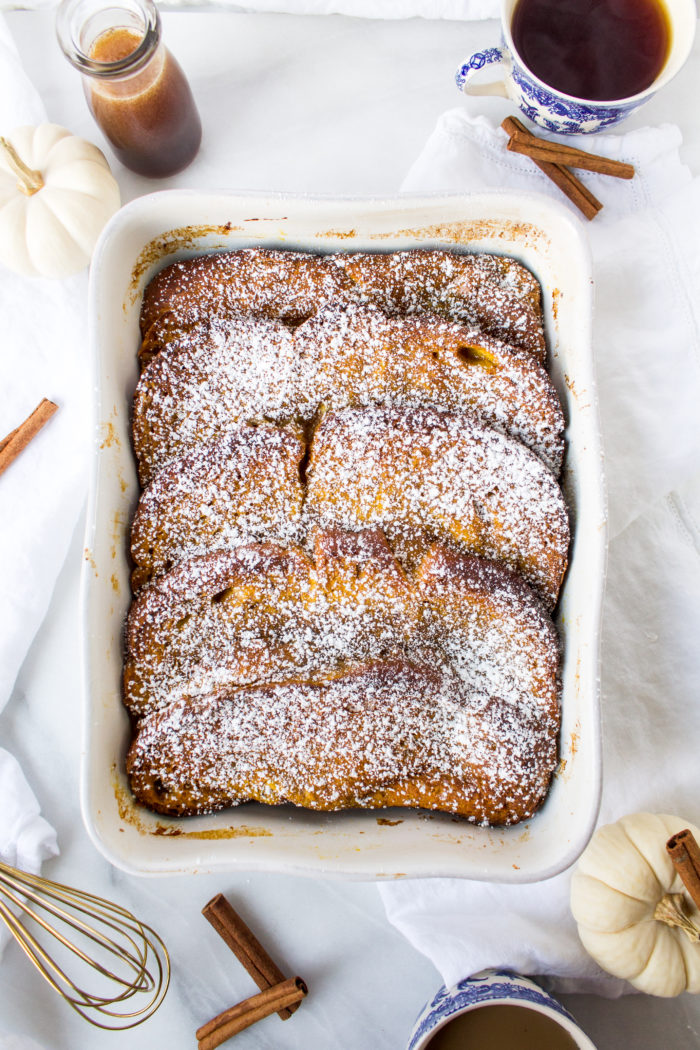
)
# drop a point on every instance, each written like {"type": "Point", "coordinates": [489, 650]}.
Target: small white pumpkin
{"type": "Point", "coordinates": [633, 913]}
{"type": "Point", "coordinates": [56, 194]}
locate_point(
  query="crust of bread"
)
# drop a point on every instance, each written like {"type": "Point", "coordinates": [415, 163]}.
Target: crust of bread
{"type": "Point", "coordinates": [496, 294]}
{"type": "Point", "coordinates": [266, 613]}
{"type": "Point", "coordinates": [243, 488]}
{"type": "Point", "coordinates": [261, 282]}
{"type": "Point", "coordinates": [350, 536]}
{"type": "Point", "coordinates": [242, 370]}
{"type": "Point", "coordinates": [357, 356]}
{"type": "Point", "coordinates": [263, 612]}
{"type": "Point", "coordinates": [391, 733]}
{"type": "Point", "coordinates": [422, 475]}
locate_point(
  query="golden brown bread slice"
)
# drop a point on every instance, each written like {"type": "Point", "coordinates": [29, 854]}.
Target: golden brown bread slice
{"type": "Point", "coordinates": [490, 628]}
{"type": "Point", "coordinates": [390, 733]}
{"type": "Point", "coordinates": [243, 488]}
{"type": "Point", "coordinates": [238, 369]}
{"type": "Point", "coordinates": [355, 356]}
{"type": "Point", "coordinates": [495, 293]}
{"type": "Point", "coordinates": [422, 475]}
{"type": "Point", "coordinates": [262, 613]}
{"type": "Point", "coordinates": [209, 622]}
{"type": "Point", "coordinates": [265, 614]}
{"type": "Point", "coordinates": [277, 285]}
{"type": "Point", "coordinates": [243, 371]}
{"type": "Point", "coordinates": [339, 678]}
{"type": "Point", "coordinates": [492, 292]}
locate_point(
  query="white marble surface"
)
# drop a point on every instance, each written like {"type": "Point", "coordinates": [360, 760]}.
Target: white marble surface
{"type": "Point", "coordinates": [324, 105]}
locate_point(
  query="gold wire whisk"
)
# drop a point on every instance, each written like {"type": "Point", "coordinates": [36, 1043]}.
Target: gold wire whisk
{"type": "Point", "coordinates": [102, 933]}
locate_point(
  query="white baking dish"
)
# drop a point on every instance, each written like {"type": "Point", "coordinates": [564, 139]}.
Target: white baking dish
{"type": "Point", "coordinates": [139, 240]}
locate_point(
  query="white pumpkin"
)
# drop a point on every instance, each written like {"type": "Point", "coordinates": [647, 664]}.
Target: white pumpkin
{"type": "Point", "coordinates": [634, 916]}
{"type": "Point", "coordinates": [56, 194]}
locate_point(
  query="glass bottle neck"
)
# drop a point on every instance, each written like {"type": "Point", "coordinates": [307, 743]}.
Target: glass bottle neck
{"type": "Point", "coordinates": [108, 43]}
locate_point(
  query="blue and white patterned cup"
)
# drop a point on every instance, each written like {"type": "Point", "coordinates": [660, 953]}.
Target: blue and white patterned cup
{"type": "Point", "coordinates": [489, 988]}
{"type": "Point", "coordinates": [553, 109]}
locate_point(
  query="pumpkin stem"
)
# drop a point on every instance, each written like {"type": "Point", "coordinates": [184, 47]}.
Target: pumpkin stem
{"type": "Point", "coordinates": [671, 910]}
{"type": "Point", "coordinates": [29, 180]}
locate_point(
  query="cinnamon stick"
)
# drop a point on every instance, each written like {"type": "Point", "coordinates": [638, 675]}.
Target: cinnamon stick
{"type": "Point", "coordinates": [6, 440]}
{"type": "Point", "coordinates": [18, 439]}
{"type": "Point", "coordinates": [684, 851]}
{"type": "Point", "coordinates": [243, 1015]}
{"type": "Point", "coordinates": [565, 180]}
{"type": "Point", "coordinates": [246, 947]}
{"type": "Point", "coordinates": [556, 153]}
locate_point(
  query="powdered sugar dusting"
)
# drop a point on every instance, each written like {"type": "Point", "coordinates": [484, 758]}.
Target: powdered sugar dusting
{"type": "Point", "coordinates": [262, 613]}
{"type": "Point", "coordinates": [391, 733]}
{"type": "Point", "coordinates": [421, 475]}
{"type": "Point", "coordinates": [243, 487]}
{"type": "Point", "coordinates": [317, 632]}
{"type": "Point", "coordinates": [357, 356]}
{"type": "Point", "coordinates": [266, 613]}
{"type": "Point", "coordinates": [259, 282]}
{"type": "Point", "coordinates": [235, 369]}
{"type": "Point", "coordinates": [497, 294]}
{"type": "Point", "coordinates": [243, 369]}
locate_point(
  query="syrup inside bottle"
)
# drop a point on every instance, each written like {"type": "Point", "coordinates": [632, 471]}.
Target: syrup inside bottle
{"type": "Point", "coordinates": [149, 116]}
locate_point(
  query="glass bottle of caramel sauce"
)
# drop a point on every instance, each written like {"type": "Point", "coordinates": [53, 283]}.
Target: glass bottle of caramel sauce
{"type": "Point", "coordinates": [135, 89]}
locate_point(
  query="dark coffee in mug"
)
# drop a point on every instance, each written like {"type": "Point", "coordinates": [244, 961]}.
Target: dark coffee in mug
{"type": "Point", "coordinates": [601, 50]}
{"type": "Point", "coordinates": [502, 1027]}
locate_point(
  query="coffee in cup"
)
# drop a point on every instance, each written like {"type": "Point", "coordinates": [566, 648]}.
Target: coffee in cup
{"type": "Point", "coordinates": [594, 49]}
{"type": "Point", "coordinates": [492, 1010]}
{"type": "Point", "coordinates": [501, 1026]}
{"type": "Point", "coordinates": [577, 66]}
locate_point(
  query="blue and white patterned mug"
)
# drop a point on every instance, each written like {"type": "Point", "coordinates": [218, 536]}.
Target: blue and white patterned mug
{"type": "Point", "coordinates": [555, 110]}
{"type": "Point", "coordinates": [491, 988]}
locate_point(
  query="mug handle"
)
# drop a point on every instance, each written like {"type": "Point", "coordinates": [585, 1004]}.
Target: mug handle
{"type": "Point", "coordinates": [474, 64]}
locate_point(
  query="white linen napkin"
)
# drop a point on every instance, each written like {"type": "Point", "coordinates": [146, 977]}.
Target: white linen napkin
{"type": "Point", "coordinates": [26, 839]}
{"type": "Point", "coordinates": [387, 9]}
{"type": "Point", "coordinates": [44, 350]}
{"type": "Point", "coordinates": [44, 354]}
{"type": "Point", "coordinates": [646, 345]}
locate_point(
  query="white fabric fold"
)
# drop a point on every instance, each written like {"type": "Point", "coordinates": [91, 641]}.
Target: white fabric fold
{"type": "Point", "coordinates": [459, 10]}
{"type": "Point", "coordinates": [26, 839]}
{"type": "Point", "coordinates": [18, 1042]}
{"type": "Point", "coordinates": [19, 100]}
{"type": "Point", "coordinates": [646, 345]}
{"type": "Point", "coordinates": [44, 354]}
